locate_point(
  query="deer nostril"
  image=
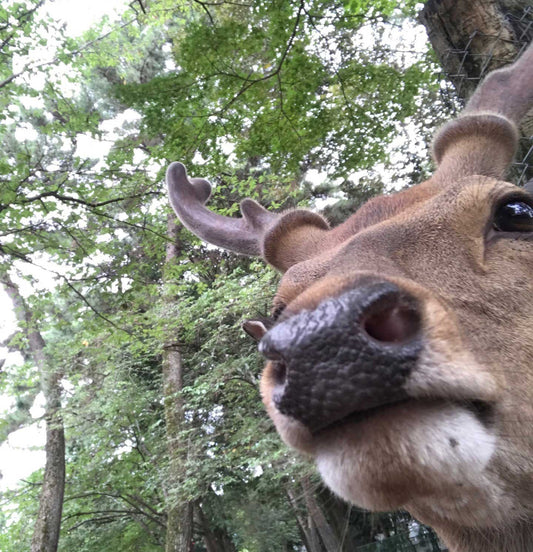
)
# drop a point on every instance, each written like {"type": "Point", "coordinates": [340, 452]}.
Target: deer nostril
{"type": "Point", "coordinates": [279, 371]}
{"type": "Point", "coordinates": [279, 367]}
{"type": "Point", "coordinates": [267, 349]}
{"type": "Point", "coordinates": [394, 324]}
{"type": "Point", "coordinates": [279, 375]}
{"type": "Point", "coordinates": [271, 353]}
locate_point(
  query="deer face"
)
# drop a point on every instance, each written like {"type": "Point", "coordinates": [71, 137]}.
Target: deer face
{"type": "Point", "coordinates": [400, 357]}
{"type": "Point", "coordinates": [397, 356]}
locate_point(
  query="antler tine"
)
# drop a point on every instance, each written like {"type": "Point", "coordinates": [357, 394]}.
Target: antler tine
{"type": "Point", "coordinates": [187, 198]}
{"type": "Point", "coordinates": [484, 138]}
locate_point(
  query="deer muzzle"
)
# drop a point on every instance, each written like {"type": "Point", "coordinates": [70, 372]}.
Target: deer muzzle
{"type": "Point", "coordinates": [352, 353]}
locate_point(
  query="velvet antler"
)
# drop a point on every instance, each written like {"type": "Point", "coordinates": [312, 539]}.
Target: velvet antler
{"type": "Point", "coordinates": [188, 197]}
{"type": "Point", "coordinates": [252, 234]}
{"type": "Point", "coordinates": [483, 139]}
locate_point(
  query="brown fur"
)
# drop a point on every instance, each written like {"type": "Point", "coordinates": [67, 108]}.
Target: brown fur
{"type": "Point", "coordinates": [468, 476]}
{"type": "Point", "coordinates": [477, 292]}
{"type": "Point", "coordinates": [436, 241]}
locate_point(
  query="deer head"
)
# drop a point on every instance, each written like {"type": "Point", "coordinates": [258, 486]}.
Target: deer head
{"type": "Point", "coordinates": [401, 355]}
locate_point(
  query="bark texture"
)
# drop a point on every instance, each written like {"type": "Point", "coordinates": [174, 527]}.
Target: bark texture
{"type": "Point", "coordinates": [215, 540]}
{"type": "Point", "coordinates": [47, 527]}
{"type": "Point", "coordinates": [473, 37]}
{"type": "Point", "coordinates": [327, 534]}
{"type": "Point", "coordinates": [179, 513]}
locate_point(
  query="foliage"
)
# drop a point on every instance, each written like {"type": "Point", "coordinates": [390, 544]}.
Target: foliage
{"type": "Point", "coordinates": [282, 83]}
{"type": "Point", "coordinates": [258, 94]}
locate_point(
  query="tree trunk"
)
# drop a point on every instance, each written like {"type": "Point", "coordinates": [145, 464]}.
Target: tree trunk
{"type": "Point", "coordinates": [46, 532]}
{"type": "Point", "coordinates": [337, 512]}
{"type": "Point", "coordinates": [473, 37]}
{"type": "Point", "coordinates": [214, 541]}
{"type": "Point", "coordinates": [328, 536]}
{"type": "Point", "coordinates": [179, 513]}
{"type": "Point", "coordinates": [307, 528]}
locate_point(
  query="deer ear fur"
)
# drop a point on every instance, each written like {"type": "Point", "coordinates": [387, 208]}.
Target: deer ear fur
{"type": "Point", "coordinates": [254, 328]}
{"type": "Point", "coordinates": [297, 236]}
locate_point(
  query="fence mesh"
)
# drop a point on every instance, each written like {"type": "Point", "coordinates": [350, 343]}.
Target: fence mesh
{"type": "Point", "coordinates": [469, 66]}
{"type": "Point", "coordinates": [422, 539]}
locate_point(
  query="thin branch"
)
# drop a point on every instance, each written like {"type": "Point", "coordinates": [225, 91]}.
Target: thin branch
{"type": "Point", "coordinates": [70, 286]}
{"type": "Point", "coordinates": [132, 500]}
{"type": "Point", "coordinates": [99, 520]}
{"type": "Point", "coordinates": [276, 71]}
{"type": "Point", "coordinates": [93, 512]}
{"type": "Point", "coordinates": [94, 205]}
{"type": "Point", "coordinates": [30, 67]}
{"type": "Point", "coordinates": [206, 9]}
{"type": "Point", "coordinates": [97, 312]}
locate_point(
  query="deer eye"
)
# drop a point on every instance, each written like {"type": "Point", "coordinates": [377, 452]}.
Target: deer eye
{"type": "Point", "coordinates": [514, 216]}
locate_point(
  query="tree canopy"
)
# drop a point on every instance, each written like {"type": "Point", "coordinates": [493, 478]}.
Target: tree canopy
{"type": "Point", "coordinates": [259, 97]}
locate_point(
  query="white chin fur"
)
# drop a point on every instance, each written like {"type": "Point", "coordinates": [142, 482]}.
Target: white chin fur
{"type": "Point", "coordinates": [408, 452]}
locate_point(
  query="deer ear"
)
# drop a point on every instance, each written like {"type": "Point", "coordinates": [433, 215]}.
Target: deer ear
{"type": "Point", "coordinates": [255, 329]}
{"type": "Point", "coordinates": [297, 236]}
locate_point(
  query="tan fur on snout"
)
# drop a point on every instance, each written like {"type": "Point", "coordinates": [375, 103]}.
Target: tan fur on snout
{"type": "Point", "coordinates": [293, 432]}
{"type": "Point", "coordinates": [434, 450]}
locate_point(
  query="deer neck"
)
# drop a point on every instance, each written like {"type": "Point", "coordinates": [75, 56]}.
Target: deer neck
{"type": "Point", "coordinates": [509, 539]}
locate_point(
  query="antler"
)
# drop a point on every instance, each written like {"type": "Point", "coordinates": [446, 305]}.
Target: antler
{"type": "Point", "coordinates": [483, 139]}
{"type": "Point", "coordinates": [188, 197]}
{"type": "Point", "coordinates": [258, 232]}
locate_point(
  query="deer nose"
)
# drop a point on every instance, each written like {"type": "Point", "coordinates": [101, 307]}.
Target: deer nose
{"type": "Point", "coordinates": [352, 353]}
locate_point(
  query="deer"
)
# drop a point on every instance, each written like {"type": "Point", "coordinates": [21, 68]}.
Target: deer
{"type": "Point", "coordinates": [399, 356]}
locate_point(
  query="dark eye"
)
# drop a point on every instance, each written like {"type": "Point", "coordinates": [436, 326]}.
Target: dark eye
{"type": "Point", "coordinates": [515, 216]}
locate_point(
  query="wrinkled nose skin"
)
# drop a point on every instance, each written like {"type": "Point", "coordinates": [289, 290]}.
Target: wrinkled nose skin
{"type": "Point", "coordinates": [352, 353]}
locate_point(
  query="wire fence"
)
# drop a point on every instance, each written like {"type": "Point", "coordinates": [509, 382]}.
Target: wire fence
{"type": "Point", "coordinates": [421, 539]}
{"type": "Point", "coordinates": [523, 166]}
{"type": "Point", "coordinates": [465, 67]}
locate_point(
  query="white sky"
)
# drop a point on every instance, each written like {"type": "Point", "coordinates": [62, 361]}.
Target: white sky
{"type": "Point", "coordinates": [23, 452]}
{"type": "Point", "coordinates": [80, 15]}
